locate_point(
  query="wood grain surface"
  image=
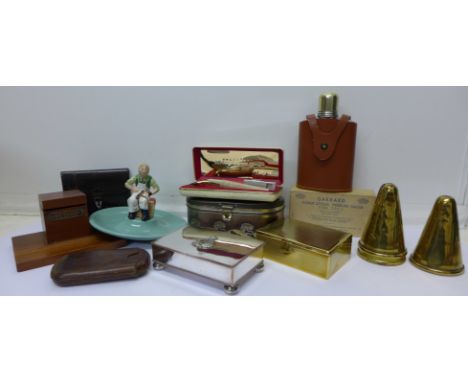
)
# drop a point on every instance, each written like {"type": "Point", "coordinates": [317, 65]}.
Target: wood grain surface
{"type": "Point", "coordinates": [33, 251]}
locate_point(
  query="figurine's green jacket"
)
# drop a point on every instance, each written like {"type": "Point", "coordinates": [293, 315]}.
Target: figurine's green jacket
{"type": "Point", "coordinates": [149, 181]}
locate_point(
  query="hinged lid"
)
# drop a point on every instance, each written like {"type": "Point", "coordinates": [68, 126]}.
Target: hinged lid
{"type": "Point", "coordinates": [304, 235]}
{"type": "Point", "coordinates": [235, 206]}
{"type": "Point", "coordinates": [222, 248]}
{"type": "Point", "coordinates": [234, 162]}
{"type": "Point", "coordinates": [61, 199]}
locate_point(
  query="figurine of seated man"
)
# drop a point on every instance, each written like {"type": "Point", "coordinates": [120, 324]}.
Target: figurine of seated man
{"type": "Point", "coordinates": [142, 187]}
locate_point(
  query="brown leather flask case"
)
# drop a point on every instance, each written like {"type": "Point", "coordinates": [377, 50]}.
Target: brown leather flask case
{"type": "Point", "coordinates": [326, 154]}
{"type": "Point", "coordinates": [98, 266]}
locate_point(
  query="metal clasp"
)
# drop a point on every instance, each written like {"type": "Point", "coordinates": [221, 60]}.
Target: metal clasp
{"type": "Point", "coordinates": [205, 243]}
{"type": "Point", "coordinates": [226, 213]}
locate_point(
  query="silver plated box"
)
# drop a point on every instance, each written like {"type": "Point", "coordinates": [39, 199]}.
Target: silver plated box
{"type": "Point", "coordinates": [223, 259]}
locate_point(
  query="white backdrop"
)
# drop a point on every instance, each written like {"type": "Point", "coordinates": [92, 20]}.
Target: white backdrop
{"type": "Point", "coordinates": [416, 137]}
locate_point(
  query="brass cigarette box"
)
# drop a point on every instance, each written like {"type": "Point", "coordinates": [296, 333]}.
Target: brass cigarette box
{"type": "Point", "coordinates": [308, 247]}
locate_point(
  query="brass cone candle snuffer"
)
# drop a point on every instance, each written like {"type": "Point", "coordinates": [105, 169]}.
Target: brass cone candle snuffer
{"type": "Point", "coordinates": [438, 250]}
{"type": "Point", "coordinates": [382, 241]}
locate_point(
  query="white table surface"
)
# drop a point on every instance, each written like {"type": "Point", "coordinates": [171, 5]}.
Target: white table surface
{"type": "Point", "coordinates": [357, 277]}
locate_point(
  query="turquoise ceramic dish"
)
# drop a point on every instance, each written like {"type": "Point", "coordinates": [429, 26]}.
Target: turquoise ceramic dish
{"type": "Point", "coordinates": [115, 222]}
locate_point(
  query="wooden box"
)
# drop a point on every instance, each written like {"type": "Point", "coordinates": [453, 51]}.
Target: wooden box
{"type": "Point", "coordinates": [64, 215]}
{"type": "Point", "coordinates": [33, 251]}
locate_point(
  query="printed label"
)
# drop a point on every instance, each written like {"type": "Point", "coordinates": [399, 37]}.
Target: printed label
{"type": "Point", "coordinates": [347, 213]}
{"type": "Point", "coordinates": [64, 214]}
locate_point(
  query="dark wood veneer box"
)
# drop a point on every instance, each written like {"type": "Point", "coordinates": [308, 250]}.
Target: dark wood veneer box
{"type": "Point", "coordinates": [64, 215]}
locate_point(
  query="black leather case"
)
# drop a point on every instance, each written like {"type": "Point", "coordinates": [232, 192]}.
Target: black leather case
{"type": "Point", "coordinates": [103, 188]}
